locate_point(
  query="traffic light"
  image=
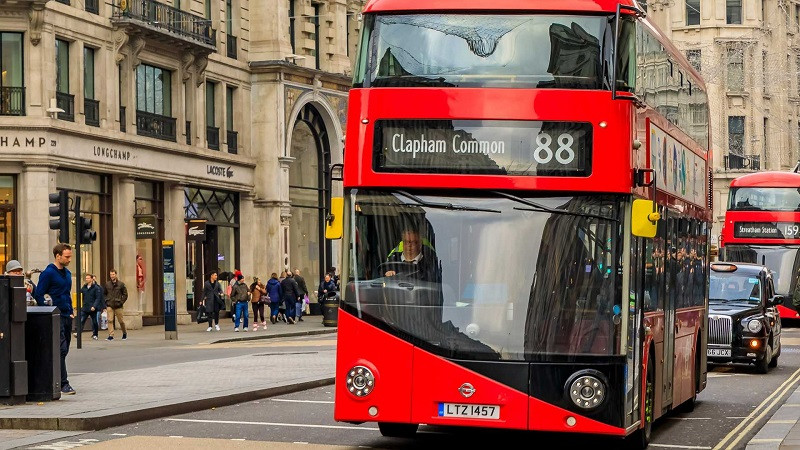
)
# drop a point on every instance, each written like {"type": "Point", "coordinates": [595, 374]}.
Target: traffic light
{"type": "Point", "coordinates": [59, 213]}
{"type": "Point", "coordinates": [86, 235]}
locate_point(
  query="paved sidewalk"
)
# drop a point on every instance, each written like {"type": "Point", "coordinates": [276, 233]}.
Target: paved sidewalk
{"type": "Point", "coordinates": [782, 430]}
{"type": "Point", "coordinates": [146, 376]}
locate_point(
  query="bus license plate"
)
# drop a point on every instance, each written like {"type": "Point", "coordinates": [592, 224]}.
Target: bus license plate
{"type": "Point", "coordinates": [469, 411]}
{"type": "Point", "coordinates": [719, 352]}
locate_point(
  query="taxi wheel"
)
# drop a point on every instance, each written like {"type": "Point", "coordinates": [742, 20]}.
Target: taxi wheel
{"type": "Point", "coordinates": [763, 365]}
{"type": "Point", "coordinates": [400, 430]}
{"type": "Point", "coordinates": [774, 362]}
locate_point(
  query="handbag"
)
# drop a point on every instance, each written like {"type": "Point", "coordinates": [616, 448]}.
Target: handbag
{"type": "Point", "coordinates": [202, 314]}
{"type": "Point", "coordinates": [305, 299]}
{"type": "Point", "coordinates": [103, 320]}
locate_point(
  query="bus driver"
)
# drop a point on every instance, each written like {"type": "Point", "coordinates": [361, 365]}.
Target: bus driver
{"type": "Point", "coordinates": [413, 249]}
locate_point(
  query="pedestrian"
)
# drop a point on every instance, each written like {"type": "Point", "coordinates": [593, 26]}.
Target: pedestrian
{"type": "Point", "coordinates": [116, 295]}
{"type": "Point", "coordinates": [291, 294]}
{"type": "Point", "coordinates": [240, 297]}
{"type": "Point", "coordinates": [258, 294]}
{"type": "Point", "coordinates": [334, 277]}
{"type": "Point", "coordinates": [301, 283]}
{"type": "Point", "coordinates": [55, 282]}
{"type": "Point", "coordinates": [282, 302]}
{"type": "Point", "coordinates": [275, 294]}
{"type": "Point", "coordinates": [212, 300]}
{"type": "Point", "coordinates": [326, 287]}
{"type": "Point", "coordinates": [93, 304]}
{"type": "Point", "coordinates": [14, 268]}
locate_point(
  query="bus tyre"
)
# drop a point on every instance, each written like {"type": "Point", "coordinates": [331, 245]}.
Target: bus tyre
{"type": "Point", "coordinates": [640, 439]}
{"type": "Point", "coordinates": [763, 364]}
{"type": "Point", "coordinates": [398, 430]}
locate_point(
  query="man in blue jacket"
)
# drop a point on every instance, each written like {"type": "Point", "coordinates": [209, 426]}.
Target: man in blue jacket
{"type": "Point", "coordinates": [56, 282]}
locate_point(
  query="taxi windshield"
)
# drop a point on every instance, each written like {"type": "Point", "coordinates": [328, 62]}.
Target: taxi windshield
{"type": "Point", "coordinates": [734, 287]}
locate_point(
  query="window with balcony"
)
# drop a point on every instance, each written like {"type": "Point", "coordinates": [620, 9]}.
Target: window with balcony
{"type": "Point", "coordinates": [733, 12]}
{"type": "Point", "coordinates": [64, 99]}
{"type": "Point", "coordinates": [735, 63]}
{"type": "Point", "coordinates": [212, 131]}
{"type": "Point", "coordinates": [736, 135]}
{"type": "Point", "coordinates": [231, 39]}
{"type": "Point", "coordinates": [154, 103]}
{"type": "Point", "coordinates": [91, 107]}
{"type": "Point", "coordinates": [12, 87]}
{"type": "Point", "coordinates": [232, 137]}
{"type": "Point", "coordinates": [692, 12]}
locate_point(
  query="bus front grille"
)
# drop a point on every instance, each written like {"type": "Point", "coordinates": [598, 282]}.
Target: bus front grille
{"type": "Point", "coordinates": [719, 330]}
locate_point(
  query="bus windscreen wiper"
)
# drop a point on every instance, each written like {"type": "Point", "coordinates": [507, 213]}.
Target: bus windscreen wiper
{"type": "Point", "coordinates": [537, 207]}
{"type": "Point", "coordinates": [422, 202]}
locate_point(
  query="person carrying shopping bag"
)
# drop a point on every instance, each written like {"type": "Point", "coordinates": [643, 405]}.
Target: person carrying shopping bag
{"type": "Point", "coordinates": [258, 292]}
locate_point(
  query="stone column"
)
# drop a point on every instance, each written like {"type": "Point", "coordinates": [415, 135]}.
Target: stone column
{"type": "Point", "coordinates": [269, 39]}
{"type": "Point", "coordinates": [175, 230]}
{"type": "Point", "coordinates": [36, 241]}
{"type": "Point", "coordinates": [340, 63]}
{"type": "Point", "coordinates": [125, 245]}
{"type": "Point", "coordinates": [248, 263]}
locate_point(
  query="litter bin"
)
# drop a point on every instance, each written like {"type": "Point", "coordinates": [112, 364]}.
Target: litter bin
{"type": "Point", "coordinates": [43, 352]}
{"type": "Point", "coordinates": [13, 367]}
{"type": "Point", "coordinates": [330, 310]}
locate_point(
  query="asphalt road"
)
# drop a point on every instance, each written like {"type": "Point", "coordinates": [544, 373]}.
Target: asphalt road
{"type": "Point", "coordinates": [734, 406]}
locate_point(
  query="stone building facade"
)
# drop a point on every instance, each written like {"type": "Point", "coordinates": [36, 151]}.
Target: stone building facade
{"type": "Point", "coordinates": [209, 123]}
{"type": "Point", "coordinates": [748, 52]}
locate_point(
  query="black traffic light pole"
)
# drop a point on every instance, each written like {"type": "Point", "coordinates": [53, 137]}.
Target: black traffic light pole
{"type": "Point", "coordinates": [78, 238]}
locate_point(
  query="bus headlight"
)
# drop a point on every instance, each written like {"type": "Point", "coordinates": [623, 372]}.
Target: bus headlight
{"type": "Point", "coordinates": [360, 381]}
{"type": "Point", "coordinates": [587, 389]}
{"type": "Point", "coordinates": [754, 326]}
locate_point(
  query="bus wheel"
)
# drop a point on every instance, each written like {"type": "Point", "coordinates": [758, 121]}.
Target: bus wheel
{"type": "Point", "coordinates": [399, 430]}
{"type": "Point", "coordinates": [640, 439]}
{"type": "Point", "coordinates": [763, 365]}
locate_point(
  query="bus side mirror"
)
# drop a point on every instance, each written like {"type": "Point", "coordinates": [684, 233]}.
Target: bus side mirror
{"type": "Point", "coordinates": [644, 219]}
{"type": "Point", "coordinates": [335, 220]}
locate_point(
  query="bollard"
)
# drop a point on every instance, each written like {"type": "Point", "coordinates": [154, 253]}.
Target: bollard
{"type": "Point", "coordinates": [330, 310]}
{"type": "Point", "coordinates": [43, 353]}
{"type": "Point", "coordinates": [13, 367]}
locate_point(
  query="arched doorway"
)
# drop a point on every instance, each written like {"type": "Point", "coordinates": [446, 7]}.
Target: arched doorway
{"type": "Point", "coordinates": [309, 195]}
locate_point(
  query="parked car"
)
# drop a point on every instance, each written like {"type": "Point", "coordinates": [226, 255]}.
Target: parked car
{"type": "Point", "coordinates": [744, 325]}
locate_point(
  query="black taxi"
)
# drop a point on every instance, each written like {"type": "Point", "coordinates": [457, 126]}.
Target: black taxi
{"type": "Point", "coordinates": [744, 325]}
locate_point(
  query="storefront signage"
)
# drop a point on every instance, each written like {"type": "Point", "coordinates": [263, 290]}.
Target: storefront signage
{"type": "Point", "coordinates": [170, 314]}
{"type": "Point", "coordinates": [219, 171]}
{"type": "Point", "coordinates": [146, 227]}
{"type": "Point", "coordinates": [196, 230]}
{"type": "Point", "coordinates": [110, 153]}
{"type": "Point", "coordinates": [25, 142]}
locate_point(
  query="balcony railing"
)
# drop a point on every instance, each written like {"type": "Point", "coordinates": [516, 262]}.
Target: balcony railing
{"type": "Point", "coordinates": [91, 108]}
{"type": "Point", "coordinates": [233, 142]}
{"type": "Point", "coordinates": [155, 125]}
{"type": "Point", "coordinates": [67, 103]}
{"type": "Point", "coordinates": [92, 6]}
{"type": "Point", "coordinates": [742, 162]}
{"type": "Point", "coordinates": [164, 17]}
{"type": "Point", "coordinates": [212, 137]}
{"type": "Point", "coordinates": [123, 120]}
{"type": "Point", "coordinates": [188, 132]}
{"type": "Point", "coordinates": [231, 46]}
{"type": "Point", "coordinates": [12, 101]}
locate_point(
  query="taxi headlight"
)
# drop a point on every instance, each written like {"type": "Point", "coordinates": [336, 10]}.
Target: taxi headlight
{"type": "Point", "coordinates": [360, 381]}
{"type": "Point", "coordinates": [754, 326]}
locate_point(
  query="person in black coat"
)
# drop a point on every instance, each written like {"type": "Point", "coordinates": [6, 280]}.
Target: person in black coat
{"type": "Point", "coordinates": [93, 304]}
{"type": "Point", "coordinates": [291, 294]}
{"type": "Point", "coordinates": [212, 299]}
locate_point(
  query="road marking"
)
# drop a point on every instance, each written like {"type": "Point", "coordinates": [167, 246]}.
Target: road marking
{"type": "Point", "coordinates": [237, 439]}
{"type": "Point", "coordinates": [782, 421]}
{"type": "Point", "coordinates": [177, 437]}
{"type": "Point", "coordinates": [765, 406]}
{"type": "Point", "coordinates": [689, 418]}
{"type": "Point", "coordinates": [274, 424]}
{"type": "Point", "coordinates": [118, 434]}
{"type": "Point", "coordinates": [679, 446]}
{"type": "Point", "coordinates": [764, 441]}
{"type": "Point", "coordinates": [300, 401]}
{"type": "Point", "coordinates": [737, 418]}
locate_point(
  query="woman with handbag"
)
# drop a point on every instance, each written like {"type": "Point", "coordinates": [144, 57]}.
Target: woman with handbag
{"type": "Point", "coordinates": [212, 299]}
{"type": "Point", "coordinates": [257, 294]}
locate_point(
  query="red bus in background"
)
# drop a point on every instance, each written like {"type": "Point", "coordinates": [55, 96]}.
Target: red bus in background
{"type": "Point", "coordinates": [762, 226]}
{"type": "Point", "coordinates": [526, 217]}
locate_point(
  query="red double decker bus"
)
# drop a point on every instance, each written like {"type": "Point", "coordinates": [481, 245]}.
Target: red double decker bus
{"type": "Point", "coordinates": [762, 226]}
{"type": "Point", "coordinates": [525, 217]}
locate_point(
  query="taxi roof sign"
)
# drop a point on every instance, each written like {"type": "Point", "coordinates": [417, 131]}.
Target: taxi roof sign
{"type": "Point", "coordinates": [723, 267]}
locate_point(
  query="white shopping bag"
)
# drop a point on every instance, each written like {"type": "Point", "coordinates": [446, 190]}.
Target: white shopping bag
{"type": "Point", "coordinates": [102, 318]}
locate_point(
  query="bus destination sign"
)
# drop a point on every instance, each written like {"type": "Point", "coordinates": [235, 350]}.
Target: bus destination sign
{"type": "Point", "coordinates": [494, 147]}
{"type": "Point", "coordinates": [767, 230]}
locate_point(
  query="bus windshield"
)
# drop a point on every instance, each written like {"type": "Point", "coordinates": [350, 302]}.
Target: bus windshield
{"type": "Point", "coordinates": [764, 199]}
{"type": "Point", "coordinates": [782, 260]}
{"type": "Point", "coordinates": [473, 50]}
{"type": "Point", "coordinates": [488, 277]}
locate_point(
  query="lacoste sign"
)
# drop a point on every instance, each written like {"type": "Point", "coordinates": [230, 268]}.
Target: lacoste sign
{"type": "Point", "coordinates": [196, 230]}
{"type": "Point", "coordinates": [219, 171]}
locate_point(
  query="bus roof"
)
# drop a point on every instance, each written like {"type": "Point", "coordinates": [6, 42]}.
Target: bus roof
{"type": "Point", "coordinates": [768, 179]}
{"type": "Point", "coordinates": [609, 6]}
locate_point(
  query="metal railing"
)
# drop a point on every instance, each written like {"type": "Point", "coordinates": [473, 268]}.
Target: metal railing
{"type": "Point", "coordinates": [91, 109]}
{"type": "Point", "coordinates": [92, 6]}
{"type": "Point", "coordinates": [123, 120]}
{"type": "Point", "coordinates": [742, 162]}
{"type": "Point", "coordinates": [12, 101]}
{"type": "Point", "coordinates": [67, 103]}
{"type": "Point", "coordinates": [167, 18]}
{"type": "Point", "coordinates": [212, 137]}
{"type": "Point", "coordinates": [233, 142]}
{"type": "Point", "coordinates": [188, 132]}
{"type": "Point", "coordinates": [155, 125]}
{"type": "Point", "coordinates": [231, 46]}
